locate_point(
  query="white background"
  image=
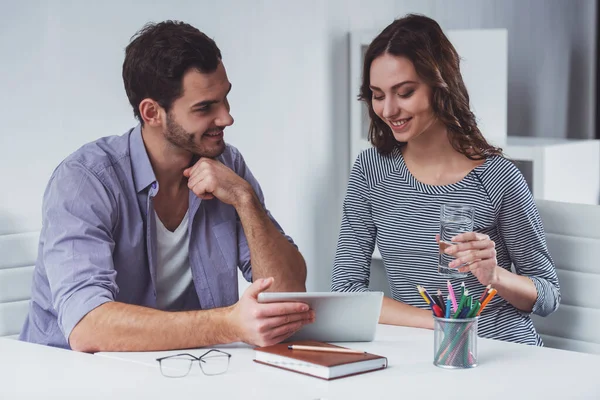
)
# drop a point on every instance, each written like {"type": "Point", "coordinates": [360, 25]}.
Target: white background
{"type": "Point", "coordinates": [60, 86]}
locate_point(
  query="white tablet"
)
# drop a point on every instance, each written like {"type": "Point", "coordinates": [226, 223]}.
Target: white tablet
{"type": "Point", "coordinates": [340, 317]}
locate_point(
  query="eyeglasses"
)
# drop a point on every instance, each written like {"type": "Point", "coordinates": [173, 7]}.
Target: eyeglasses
{"type": "Point", "coordinates": [213, 362]}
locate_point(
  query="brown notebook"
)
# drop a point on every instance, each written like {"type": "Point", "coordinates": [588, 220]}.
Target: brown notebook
{"type": "Point", "coordinates": [324, 365]}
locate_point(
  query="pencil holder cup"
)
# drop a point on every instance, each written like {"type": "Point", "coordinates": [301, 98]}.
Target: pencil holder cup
{"type": "Point", "coordinates": [455, 342]}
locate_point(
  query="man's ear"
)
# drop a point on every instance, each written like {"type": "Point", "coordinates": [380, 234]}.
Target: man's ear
{"type": "Point", "coordinates": [151, 113]}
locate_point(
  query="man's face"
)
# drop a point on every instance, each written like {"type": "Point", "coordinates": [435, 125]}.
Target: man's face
{"type": "Point", "coordinates": [197, 120]}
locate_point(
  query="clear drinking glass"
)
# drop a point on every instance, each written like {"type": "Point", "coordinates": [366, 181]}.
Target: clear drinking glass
{"type": "Point", "coordinates": [455, 342]}
{"type": "Point", "coordinates": [454, 219]}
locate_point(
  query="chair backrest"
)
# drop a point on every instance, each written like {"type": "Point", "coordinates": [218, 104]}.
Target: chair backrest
{"type": "Point", "coordinates": [17, 258]}
{"type": "Point", "coordinates": [573, 234]}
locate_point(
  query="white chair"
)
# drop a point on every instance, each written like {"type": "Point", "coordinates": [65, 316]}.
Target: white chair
{"type": "Point", "coordinates": [17, 258]}
{"type": "Point", "coordinates": [573, 234]}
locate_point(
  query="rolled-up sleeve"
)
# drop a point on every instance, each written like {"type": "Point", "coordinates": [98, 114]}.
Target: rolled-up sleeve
{"type": "Point", "coordinates": [244, 262]}
{"type": "Point", "coordinates": [77, 243]}
{"type": "Point", "coordinates": [521, 228]}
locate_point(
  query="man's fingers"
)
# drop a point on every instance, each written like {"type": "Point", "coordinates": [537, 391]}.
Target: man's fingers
{"type": "Point", "coordinates": [279, 309]}
{"type": "Point", "coordinates": [203, 183]}
{"type": "Point", "coordinates": [203, 189]}
{"type": "Point", "coordinates": [202, 165]}
{"type": "Point", "coordinates": [259, 285]}
{"type": "Point", "coordinates": [196, 177]}
{"type": "Point", "coordinates": [193, 181]}
{"type": "Point", "coordinates": [194, 169]}
{"type": "Point", "coordinates": [280, 338]}
{"type": "Point", "coordinates": [286, 330]}
{"type": "Point", "coordinates": [274, 322]}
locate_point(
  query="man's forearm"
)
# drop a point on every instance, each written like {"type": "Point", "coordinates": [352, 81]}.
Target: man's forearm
{"type": "Point", "coordinates": [271, 253]}
{"type": "Point", "coordinates": [117, 326]}
{"type": "Point", "coordinates": [396, 313]}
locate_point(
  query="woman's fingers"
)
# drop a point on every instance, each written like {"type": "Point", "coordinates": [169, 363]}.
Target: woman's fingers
{"type": "Point", "coordinates": [469, 236]}
{"type": "Point", "coordinates": [474, 245]}
{"type": "Point", "coordinates": [478, 265]}
{"type": "Point", "coordinates": [473, 256]}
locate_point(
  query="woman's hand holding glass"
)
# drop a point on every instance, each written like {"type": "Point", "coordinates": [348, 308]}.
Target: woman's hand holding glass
{"type": "Point", "coordinates": [475, 252]}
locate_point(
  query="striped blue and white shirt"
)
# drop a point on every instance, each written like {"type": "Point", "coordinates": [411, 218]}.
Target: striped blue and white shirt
{"type": "Point", "coordinates": [386, 205]}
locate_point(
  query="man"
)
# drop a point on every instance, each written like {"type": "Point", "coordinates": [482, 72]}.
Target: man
{"type": "Point", "coordinates": [143, 233]}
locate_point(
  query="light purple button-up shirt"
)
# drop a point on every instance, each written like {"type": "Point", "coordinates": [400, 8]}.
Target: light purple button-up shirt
{"type": "Point", "coordinates": [98, 243]}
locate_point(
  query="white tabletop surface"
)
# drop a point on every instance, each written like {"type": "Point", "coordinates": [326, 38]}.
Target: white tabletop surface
{"type": "Point", "coordinates": [506, 371]}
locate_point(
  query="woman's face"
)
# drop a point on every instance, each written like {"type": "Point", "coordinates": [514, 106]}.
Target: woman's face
{"type": "Point", "coordinates": [400, 98]}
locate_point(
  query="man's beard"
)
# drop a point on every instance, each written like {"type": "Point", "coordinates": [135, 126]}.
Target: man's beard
{"type": "Point", "coordinates": [180, 138]}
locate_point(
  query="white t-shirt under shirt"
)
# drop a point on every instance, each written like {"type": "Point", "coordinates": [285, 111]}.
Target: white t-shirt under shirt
{"type": "Point", "coordinates": [173, 274]}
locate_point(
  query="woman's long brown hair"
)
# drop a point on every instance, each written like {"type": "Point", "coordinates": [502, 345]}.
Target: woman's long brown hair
{"type": "Point", "coordinates": [422, 41]}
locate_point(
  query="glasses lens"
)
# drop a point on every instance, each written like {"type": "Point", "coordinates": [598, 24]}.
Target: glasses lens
{"type": "Point", "coordinates": [176, 367]}
{"type": "Point", "coordinates": [214, 363]}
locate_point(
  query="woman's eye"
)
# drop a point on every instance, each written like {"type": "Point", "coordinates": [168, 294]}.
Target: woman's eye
{"type": "Point", "coordinates": [407, 94]}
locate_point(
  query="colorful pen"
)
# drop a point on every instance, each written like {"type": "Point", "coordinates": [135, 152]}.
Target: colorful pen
{"type": "Point", "coordinates": [441, 297]}
{"type": "Point", "coordinates": [439, 300]}
{"type": "Point", "coordinates": [475, 309]}
{"type": "Point", "coordinates": [422, 293]}
{"type": "Point", "coordinates": [437, 310]}
{"type": "Point", "coordinates": [428, 295]}
{"type": "Point", "coordinates": [452, 296]}
{"type": "Point", "coordinates": [463, 300]}
{"type": "Point", "coordinates": [490, 296]}
{"type": "Point", "coordinates": [448, 307]}
{"type": "Point", "coordinates": [485, 292]}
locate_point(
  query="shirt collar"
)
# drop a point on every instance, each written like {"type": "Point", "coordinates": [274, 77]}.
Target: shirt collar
{"type": "Point", "coordinates": [143, 174]}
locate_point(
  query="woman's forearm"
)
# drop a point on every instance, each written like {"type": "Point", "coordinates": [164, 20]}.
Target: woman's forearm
{"type": "Point", "coordinates": [516, 289]}
{"type": "Point", "coordinates": [396, 313]}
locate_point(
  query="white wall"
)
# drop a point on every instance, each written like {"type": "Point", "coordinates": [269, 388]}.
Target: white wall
{"type": "Point", "coordinates": [60, 85]}
{"type": "Point", "coordinates": [551, 53]}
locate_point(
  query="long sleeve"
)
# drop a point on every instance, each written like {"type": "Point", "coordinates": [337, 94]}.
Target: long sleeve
{"type": "Point", "coordinates": [351, 268]}
{"type": "Point", "coordinates": [521, 227]}
{"type": "Point", "coordinates": [78, 244]}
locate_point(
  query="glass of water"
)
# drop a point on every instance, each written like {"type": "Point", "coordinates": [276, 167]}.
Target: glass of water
{"type": "Point", "coordinates": [454, 220]}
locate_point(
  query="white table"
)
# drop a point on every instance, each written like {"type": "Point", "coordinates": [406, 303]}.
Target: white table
{"type": "Point", "coordinates": [506, 371]}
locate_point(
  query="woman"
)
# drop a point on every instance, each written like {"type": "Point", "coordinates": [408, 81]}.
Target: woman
{"type": "Point", "coordinates": [428, 151]}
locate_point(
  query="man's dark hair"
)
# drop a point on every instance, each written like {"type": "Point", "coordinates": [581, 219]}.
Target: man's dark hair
{"type": "Point", "coordinates": [159, 55]}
